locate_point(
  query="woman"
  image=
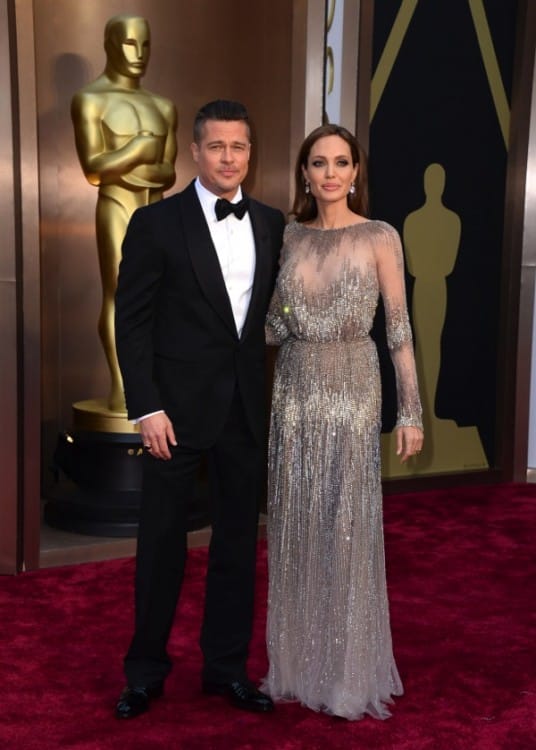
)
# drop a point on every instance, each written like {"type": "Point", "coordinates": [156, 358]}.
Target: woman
{"type": "Point", "coordinates": [329, 639]}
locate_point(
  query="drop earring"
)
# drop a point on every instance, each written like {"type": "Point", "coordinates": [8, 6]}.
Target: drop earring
{"type": "Point", "coordinates": [352, 189]}
{"type": "Point", "coordinates": [307, 188]}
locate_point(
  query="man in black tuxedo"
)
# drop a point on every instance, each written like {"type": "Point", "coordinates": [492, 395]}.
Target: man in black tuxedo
{"type": "Point", "coordinates": [195, 280]}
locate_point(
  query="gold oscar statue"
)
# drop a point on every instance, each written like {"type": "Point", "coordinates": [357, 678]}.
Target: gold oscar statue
{"type": "Point", "coordinates": [431, 239]}
{"type": "Point", "coordinates": [126, 144]}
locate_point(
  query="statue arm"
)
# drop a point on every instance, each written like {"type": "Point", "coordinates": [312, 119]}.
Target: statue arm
{"type": "Point", "coordinates": [100, 166]}
{"type": "Point", "coordinates": [170, 149]}
{"type": "Point", "coordinates": [162, 173]}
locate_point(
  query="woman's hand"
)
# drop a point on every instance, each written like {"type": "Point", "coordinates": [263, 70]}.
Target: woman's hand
{"type": "Point", "coordinates": [408, 442]}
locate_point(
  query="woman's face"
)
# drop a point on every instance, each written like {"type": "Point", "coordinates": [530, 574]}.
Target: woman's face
{"type": "Point", "coordinates": [330, 171]}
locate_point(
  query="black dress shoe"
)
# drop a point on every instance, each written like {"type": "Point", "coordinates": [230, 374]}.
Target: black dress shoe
{"type": "Point", "coordinates": [241, 694]}
{"type": "Point", "coordinates": [134, 701]}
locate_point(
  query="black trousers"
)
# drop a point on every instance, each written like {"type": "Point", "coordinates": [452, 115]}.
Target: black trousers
{"type": "Point", "coordinates": [235, 466]}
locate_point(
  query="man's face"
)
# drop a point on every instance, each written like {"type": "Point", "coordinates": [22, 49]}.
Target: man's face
{"type": "Point", "coordinates": [222, 156]}
{"type": "Point", "coordinates": [129, 48]}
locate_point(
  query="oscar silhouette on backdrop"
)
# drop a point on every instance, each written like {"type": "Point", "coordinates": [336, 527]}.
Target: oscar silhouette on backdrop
{"type": "Point", "coordinates": [125, 139]}
{"type": "Point", "coordinates": [431, 239]}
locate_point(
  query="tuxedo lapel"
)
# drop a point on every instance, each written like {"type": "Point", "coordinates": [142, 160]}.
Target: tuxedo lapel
{"type": "Point", "coordinates": [204, 257]}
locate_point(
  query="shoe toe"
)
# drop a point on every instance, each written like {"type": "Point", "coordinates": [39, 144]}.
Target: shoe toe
{"type": "Point", "coordinates": [248, 695]}
{"type": "Point", "coordinates": [134, 701]}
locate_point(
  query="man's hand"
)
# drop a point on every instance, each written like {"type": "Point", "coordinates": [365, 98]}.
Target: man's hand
{"type": "Point", "coordinates": [157, 435]}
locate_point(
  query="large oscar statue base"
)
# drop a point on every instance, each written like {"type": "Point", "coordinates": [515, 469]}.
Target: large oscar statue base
{"type": "Point", "coordinates": [98, 467]}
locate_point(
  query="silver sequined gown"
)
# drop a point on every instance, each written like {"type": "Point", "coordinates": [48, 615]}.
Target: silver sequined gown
{"type": "Point", "coordinates": [328, 632]}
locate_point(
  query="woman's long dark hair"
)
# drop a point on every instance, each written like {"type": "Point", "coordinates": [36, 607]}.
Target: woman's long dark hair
{"type": "Point", "coordinates": [304, 208]}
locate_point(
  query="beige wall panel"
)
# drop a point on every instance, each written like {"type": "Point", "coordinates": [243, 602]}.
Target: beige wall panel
{"type": "Point", "coordinates": [28, 271]}
{"type": "Point", "coordinates": [200, 51]}
{"type": "Point", "coordinates": [8, 445]}
{"type": "Point", "coordinates": [263, 82]}
{"type": "Point", "coordinates": [8, 322]}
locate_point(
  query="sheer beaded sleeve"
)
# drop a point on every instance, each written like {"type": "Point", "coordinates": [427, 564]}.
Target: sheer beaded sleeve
{"type": "Point", "coordinates": [390, 265]}
{"type": "Point", "coordinates": [276, 328]}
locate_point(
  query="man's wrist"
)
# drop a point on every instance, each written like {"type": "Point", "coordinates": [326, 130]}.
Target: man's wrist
{"type": "Point", "coordinates": [144, 416]}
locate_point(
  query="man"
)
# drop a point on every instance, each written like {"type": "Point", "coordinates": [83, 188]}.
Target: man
{"type": "Point", "coordinates": [126, 144]}
{"type": "Point", "coordinates": [194, 286]}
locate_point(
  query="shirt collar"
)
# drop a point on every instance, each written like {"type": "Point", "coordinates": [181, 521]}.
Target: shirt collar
{"type": "Point", "coordinates": [208, 199]}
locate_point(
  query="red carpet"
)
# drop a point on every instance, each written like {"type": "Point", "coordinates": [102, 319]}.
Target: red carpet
{"type": "Point", "coordinates": [461, 572]}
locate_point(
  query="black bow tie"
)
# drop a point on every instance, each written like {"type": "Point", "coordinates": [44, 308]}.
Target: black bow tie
{"type": "Point", "coordinates": [225, 207]}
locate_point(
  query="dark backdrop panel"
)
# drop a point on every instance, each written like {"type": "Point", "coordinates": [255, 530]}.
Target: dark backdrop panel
{"type": "Point", "coordinates": [437, 107]}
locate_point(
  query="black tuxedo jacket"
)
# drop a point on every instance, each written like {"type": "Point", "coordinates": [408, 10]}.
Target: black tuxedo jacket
{"type": "Point", "coordinates": [176, 338]}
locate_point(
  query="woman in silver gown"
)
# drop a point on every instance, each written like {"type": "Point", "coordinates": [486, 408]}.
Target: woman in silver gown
{"type": "Point", "coordinates": [328, 632]}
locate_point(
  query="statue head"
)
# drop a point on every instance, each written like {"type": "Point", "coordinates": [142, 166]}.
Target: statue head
{"type": "Point", "coordinates": [127, 41]}
{"type": "Point", "coordinates": [434, 180]}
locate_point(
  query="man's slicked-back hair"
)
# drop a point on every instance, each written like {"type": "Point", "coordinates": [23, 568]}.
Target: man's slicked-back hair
{"type": "Point", "coordinates": [220, 109]}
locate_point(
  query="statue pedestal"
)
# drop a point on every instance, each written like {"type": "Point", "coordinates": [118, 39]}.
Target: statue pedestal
{"type": "Point", "coordinates": [102, 460]}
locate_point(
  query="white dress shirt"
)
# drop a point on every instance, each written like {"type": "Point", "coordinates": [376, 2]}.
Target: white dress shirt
{"type": "Point", "coordinates": [235, 247]}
